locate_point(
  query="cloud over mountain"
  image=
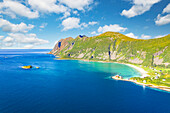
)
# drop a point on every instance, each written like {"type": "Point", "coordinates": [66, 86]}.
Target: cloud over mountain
{"type": "Point", "coordinates": [114, 28]}
{"type": "Point", "coordinates": [72, 22]}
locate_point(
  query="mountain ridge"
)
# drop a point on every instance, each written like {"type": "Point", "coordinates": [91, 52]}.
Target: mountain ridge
{"type": "Point", "coordinates": [114, 46]}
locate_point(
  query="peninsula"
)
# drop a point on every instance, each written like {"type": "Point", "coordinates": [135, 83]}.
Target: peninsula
{"type": "Point", "coordinates": [151, 55]}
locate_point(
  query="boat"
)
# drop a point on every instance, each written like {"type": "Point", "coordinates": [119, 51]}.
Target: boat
{"type": "Point", "coordinates": [27, 67]}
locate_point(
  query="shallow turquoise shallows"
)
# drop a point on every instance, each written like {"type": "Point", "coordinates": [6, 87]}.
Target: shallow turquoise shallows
{"type": "Point", "coordinates": [71, 86]}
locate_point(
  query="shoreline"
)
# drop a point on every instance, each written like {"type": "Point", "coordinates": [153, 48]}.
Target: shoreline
{"type": "Point", "coordinates": [164, 88]}
{"type": "Point", "coordinates": [139, 69]}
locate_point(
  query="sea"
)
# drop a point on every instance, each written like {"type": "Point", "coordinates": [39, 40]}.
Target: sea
{"type": "Point", "coordinates": [71, 86]}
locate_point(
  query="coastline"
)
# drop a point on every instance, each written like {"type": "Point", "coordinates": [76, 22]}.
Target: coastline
{"type": "Point", "coordinates": [164, 88]}
{"type": "Point", "coordinates": [139, 69]}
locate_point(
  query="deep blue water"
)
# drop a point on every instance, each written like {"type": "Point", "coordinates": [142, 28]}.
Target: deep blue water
{"type": "Point", "coordinates": [71, 86]}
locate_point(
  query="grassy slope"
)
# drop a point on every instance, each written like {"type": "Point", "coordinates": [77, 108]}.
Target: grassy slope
{"type": "Point", "coordinates": [127, 48]}
{"type": "Point", "coordinates": [130, 48]}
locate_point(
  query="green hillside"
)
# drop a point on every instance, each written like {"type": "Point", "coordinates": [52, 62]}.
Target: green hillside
{"type": "Point", "coordinates": [113, 46]}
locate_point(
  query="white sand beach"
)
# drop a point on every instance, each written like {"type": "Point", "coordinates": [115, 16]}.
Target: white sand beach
{"type": "Point", "coordinates": [141, 70]}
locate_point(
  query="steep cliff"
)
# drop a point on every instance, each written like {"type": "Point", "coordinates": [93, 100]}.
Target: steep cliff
{"type": "Point", "coordinates": [61, 44]}
{"type": "Point", "coordinates": [113, 46]}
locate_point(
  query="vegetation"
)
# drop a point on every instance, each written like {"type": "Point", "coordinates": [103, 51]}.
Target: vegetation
{"type": "Point", "coordinates": [158, 76]}
{"type": "Point", "coordinates": [112, 46]}
{"type": "Point", "coordinates": [152, 54]}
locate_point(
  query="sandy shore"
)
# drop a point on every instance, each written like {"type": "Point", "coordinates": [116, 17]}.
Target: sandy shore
{"type": "Point", "coordinates": [141, 70]}
{"type": "Point", "coordinates": [143, 74]}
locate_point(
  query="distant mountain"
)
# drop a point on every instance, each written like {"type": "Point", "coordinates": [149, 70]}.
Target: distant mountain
{"type": "Point", "coordinates": [113, 46]}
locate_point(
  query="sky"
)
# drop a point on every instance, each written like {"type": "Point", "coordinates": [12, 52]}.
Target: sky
{"type": "Point", "coordinates": [39, 24]}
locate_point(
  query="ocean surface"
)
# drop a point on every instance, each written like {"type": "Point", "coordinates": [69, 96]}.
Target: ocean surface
{"type": "Point", "coordinates": [72, 86]}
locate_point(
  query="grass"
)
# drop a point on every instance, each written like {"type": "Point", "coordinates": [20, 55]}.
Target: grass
{"type": "Point", "coordinates": [126, 48]}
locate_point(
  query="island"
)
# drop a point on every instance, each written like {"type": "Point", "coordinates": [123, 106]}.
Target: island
{"type": "Point", "coordinates": [151, 57]}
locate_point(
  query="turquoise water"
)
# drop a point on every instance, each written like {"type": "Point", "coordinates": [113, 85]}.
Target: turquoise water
{"type": "Point", "coordinates": [71, 86]}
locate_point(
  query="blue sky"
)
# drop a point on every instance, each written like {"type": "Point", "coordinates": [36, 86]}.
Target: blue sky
{"type": "Point", "coordinates": [41, 23]}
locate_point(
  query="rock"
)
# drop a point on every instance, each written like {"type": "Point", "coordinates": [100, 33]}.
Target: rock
{"type": "Point", "coordinates": [61, 45]}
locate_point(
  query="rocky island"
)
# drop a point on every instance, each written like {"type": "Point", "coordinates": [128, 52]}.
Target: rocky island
{"type": "Point", "coordinates": [151, 55]}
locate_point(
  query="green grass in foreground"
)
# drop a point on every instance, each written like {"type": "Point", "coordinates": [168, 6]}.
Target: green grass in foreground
{"type": "Point", "coordinates": [158, 76]}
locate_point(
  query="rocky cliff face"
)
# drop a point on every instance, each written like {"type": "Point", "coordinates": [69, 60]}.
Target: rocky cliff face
{"type": "Point", "coordinates": [113, 46]}
{"type": "Point", "coordinates": [61, 44]}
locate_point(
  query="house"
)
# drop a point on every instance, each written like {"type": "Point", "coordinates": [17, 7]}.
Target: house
{"type": "Point", "coordinates": [117, 76]}
{"type": "Point", "coordinates": [120, 77]}
{"type": "Point", "coordinates": [156, 77]}
{"type": "Point", "coordinates": [144, 81]}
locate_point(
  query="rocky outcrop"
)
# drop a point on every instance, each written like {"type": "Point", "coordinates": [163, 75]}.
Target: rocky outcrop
{"type": "Point", "coordinates": [157, 60]}
{"type": "Point", "coordinates": [160, 52]}
{"type": "Point", "coordinates": [81, 55]}
{"type": "Point", "coordinates": [135, 61]}
{"type": "Point", "coordinates": [61, 44]}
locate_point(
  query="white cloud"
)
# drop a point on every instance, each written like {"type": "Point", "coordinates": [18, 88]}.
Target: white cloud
{"type": "Point", "coordinates": [27, 39]}
{"type": "Point", "coordinates": [114, 28]}
{"type": "Point", "coordinates": [162, 20]}
{"type": "Point", "coordinates": [1, 37]}
{"type": "Point", "coordinates": [167, 9]}
{"type": "Point", "coordinates": [23, 40]}
{"type": "Point", "coordinates": [78, 4]}
{"type": "Point", "coordinates": [43, 25]}
{"type": "Point", "coordinates": [9, 44]}
{"type": "Point", "coordinates": [66, 14]}
{"type": "Point", "coordinates": [93, 33]}
{"type": "Point", "coordinates": [72, 22]}
{"type": "Point", "coordinates": [28, 46]}
{"type": "Point", "coordinates": [145, 36]}
{"type": "Point", "coordinates": [131, 35]}
{"type": "Point", "coordinates": [47, 6]}
{"type": "Point", "coordinates": [32, 8]}
{"type": "Point", "coordinates": [139, 7]}
{"type": "Point", "coordinates": [92, 23]}
{"type": "Point", "coordinates": [9, 27]}
{"type": "Point", "coordinates": [8, 39]}
{"type": "Point", "coordinates": [13, 8]}
{"type": "Point", "coordinates": [75, 12]}
{"type": "Point", "coordinates": [159, 36]}
{"type": "Point", "coordinates": [84, 25]}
